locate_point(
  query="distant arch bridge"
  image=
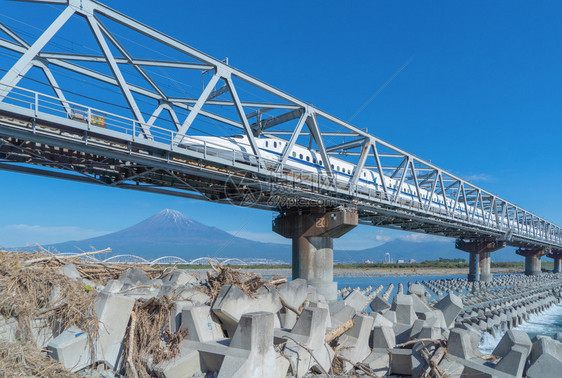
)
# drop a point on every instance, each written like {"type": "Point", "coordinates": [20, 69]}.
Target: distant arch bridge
{"type": "Point", "coordinates": [169, 260]}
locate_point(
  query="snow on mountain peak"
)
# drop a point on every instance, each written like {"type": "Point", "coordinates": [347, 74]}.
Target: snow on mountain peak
{"type": "Point", "coordinates": [174, 216]}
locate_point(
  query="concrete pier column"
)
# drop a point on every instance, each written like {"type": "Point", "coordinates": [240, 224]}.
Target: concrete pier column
{"type": "Point", "coordinates": [557, 256]}
{"type": "Point", "coordinates": [532, 260]}
{"type": "Point", "coordinates": [557, 265]}
{"type": "Point", "coordinates": [474, 268]}
{"type": "Point", "coordinates": [485, 267]}
{"type": "Point", "coordinates": [479, 268]}
{"type": "Point", "coordinates": [532, 265]}
{"type": "Point", "coordinates": [313, 232]}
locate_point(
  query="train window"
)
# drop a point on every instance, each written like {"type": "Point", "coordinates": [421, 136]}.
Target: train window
{"type": "Point", "coordinates": [275, 144]}
{"type": "Point", "coordinates": [307, 158]}
{"type": "Point", "coordinates": [320, 162]}
{"type": "Point", "coordinates": [314, 160]}
{"type": "Point", "coordinates": [332, 166]}
{"type": "Point", "coordinates": [294, 154]}
{"type": "Point", "coordinates": [266, 144]}
{"type": "Point", "coordinates": [348, 171]}
{"type": "Point", "coordinates": [300, 156]}
{"type": "Point", "coordinates": [338, 168]}
{"type": "Point", "coordinates": [364, 174]}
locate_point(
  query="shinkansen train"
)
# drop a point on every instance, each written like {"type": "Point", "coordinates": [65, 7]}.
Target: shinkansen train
{"type": "Point", "coordinates": [303, 159]}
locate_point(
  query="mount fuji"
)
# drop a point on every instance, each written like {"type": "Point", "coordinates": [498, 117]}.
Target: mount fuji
{"type": "Point", "coordinates": [170, 233]}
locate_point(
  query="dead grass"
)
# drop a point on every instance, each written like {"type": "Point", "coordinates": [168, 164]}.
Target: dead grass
{"type": "Point", "coordinates": [25, 360]}
{"type": "Point", "coordinates": [248, 282]}
{"type": "Point", "coordinates": [32, 290]}
{"type": "Point", "coordinates": [149, 337]}
{"type": "Point", "coordinates": [39, 293]}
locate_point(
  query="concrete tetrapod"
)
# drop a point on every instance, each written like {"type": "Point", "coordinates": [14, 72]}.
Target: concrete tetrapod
{"type": "Point", "coordinates": [71, 347]}
{"type": "Point", "coordinates": [308, 333]}
{"type": "Point", "coordinates": [232, 303]}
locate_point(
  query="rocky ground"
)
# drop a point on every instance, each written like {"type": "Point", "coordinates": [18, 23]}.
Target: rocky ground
{"type": "Point", "coordinates": [70, 317]}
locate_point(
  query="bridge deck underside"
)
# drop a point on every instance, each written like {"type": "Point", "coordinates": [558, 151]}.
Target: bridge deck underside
{"type": "Point", "coordinates": [45, 148]}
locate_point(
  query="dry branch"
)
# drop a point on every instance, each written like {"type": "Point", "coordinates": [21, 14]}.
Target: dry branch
{"type": "Point", "coordinates": [288, 306]}
{"type": "Point", "coordinates": [58, 257]}
{"type": "Point", "coordinates": [418, 341]}
{"type": "Point", "coordinates": [339, 330]}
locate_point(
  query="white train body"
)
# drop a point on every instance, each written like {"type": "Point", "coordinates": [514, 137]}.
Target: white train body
{"type": "Point", "coordinates": [306, 160]}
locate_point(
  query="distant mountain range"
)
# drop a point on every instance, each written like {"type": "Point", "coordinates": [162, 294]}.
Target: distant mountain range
{"type": "Point", "coordinates": [170, 233]}
{"type": "Point", "coordinates": [418, 250]}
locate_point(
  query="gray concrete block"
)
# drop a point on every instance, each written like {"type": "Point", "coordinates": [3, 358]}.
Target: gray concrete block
{"type": "Point", "coordinates": [380, 320]}
{"type": "Point", "coordinates": [378, 361]}
{"type": "Point", "coordinates": [546, 365]}
{"type": "Point", "coordinates": [391, 316]}
{"type": "Point", "coordinates": [475, 336]}
{"type": "Point", "coordinates": [460, 344]}
{"type": "Point", "coordinates": [403, 305]}
{"type": "Point", "coordinates": [430, 329]}
{"type": "Point", "coordinates": [379, 304]}
{"type": "Point", "coordinates": [451, 306]}
{"type": "Point", "coordinates": [254, 334]}
{"type": "Point", "coordinates": [545, 345]}
{"type": "Point", "coordinates": [356, 340]}
{"type": "Point", "coordinates": [477, 368]}
{"type": "Point", "coordinates": [383, 337]}
{"type": "Point", "coordinates": [186, 364]}
{"type": "Point", "coordinates": [402, 332]}
{"type": "Point", "coordinates": [232, 303]}
{"type": "Point", "coordinates": [71, 349]}
{"type": "Point", "coordinates": [511, 338]}
{"type": "Point", "coordinates": [201, 324]}
{"type": "Point", "coordinates": [403, 362]}
{"type": "Point", "coordinates": [437, 314]}
{"type": "Point", "coordinates": [450, 369]}
{"type": "Point", "coordinates": [416, 329]}
{"type": "Point", "coordinates": [420, 306]}
{"type": "Point", "coordinates": [178, 278]}
{"type": "Point", "coordinates": [134, 276]}
{"type": "Point", "coordinates": [113, 286]}
{"type": "Point", "coordinates": [419, 290]}
{"type": "Point", "coordinates": [113, 311]}
{"type": "Point", "coordinates": [342, 316]}
{"type": "Point", "coordinates": [175, 314]}
{"type": "Point", "coordinates": [42, 332]}
{"type": "Point", "coordinates": [70, 271]}
{"type": "Point", "coordinates": [514, 361]}
{"type": "Point", "coordinates": [8, 329]}
{"type": "Point", "coordinates": [294, 293]}
{"type": "Point", "coordinates": [310, 330]}
{"type": "Point", "coordinates": [356, 300]}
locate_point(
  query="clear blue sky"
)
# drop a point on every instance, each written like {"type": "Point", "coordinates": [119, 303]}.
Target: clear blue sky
{"type": "Point", "coordinates": [481, 97]}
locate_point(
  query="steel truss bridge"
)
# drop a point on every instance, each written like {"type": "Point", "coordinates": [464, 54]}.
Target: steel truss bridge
{"type": "Point", "coordinates": [91, 107]}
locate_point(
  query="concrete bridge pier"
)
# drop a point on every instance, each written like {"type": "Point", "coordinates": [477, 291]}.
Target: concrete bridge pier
{"type": "Point", "coordinates": [533, 260]}
{"type": "Point", "coordinates": [474, 267]}
{"type": "Point", "coordinates": [557, 256]}
{"type": "Point", "coordinates": [479, 268]}
{"type": "Point", "coordinates": [313, 232]}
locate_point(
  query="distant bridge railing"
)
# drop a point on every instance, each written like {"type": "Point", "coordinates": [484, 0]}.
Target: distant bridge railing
{"type": "Point", "coordinates": [170, 260]}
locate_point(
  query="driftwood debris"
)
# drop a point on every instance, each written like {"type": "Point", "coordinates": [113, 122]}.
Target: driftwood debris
{"type": "Point", "coordinates": [339, 330]}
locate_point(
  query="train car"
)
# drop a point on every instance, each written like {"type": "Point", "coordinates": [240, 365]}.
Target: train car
{"type": "Point", "coordinates": [302, 159]}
